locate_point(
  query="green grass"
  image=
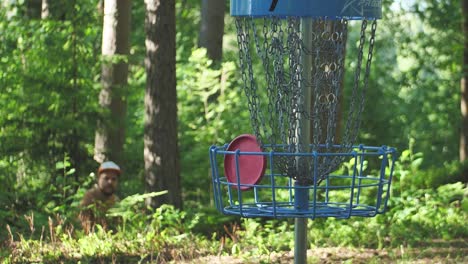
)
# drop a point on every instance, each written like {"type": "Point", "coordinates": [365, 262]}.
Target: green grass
{"type": "Point", "coordinates": [421, 225]}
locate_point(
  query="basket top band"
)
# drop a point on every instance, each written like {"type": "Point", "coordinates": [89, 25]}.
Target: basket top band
{"type": "Point", "coordinates": [333, 9]}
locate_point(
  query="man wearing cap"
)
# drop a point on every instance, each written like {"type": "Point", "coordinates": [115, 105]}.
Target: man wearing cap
{"type": "Point", "coordinates": [101, 197]}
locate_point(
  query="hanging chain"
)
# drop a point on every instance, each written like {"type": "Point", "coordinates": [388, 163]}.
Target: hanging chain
{"type": "Point", "coordinates": [353, 122]}
{"type": "Point", "coordinates": [367, 73]}
{"type": "Point", "coordinates": [247, 72]}
{"type": "Point", "coordinates": [273, 40]}
{"type": "Point", "coordinates": [296, 85]}
{"type": "Point", "coordinates": [350, 136]}
{"type": "Point", "coordinates": [277, 109]}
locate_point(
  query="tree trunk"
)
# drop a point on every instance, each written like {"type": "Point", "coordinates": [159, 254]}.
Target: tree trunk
{"type": "Point", "coordinates": [110, 133]}
{"type": "Point", "coordinates": [162, 169]}
{"type": "Point", "coordinates": [464, 85]}
{"type": "Point", "coordinates": [33, 9]}
{"type": "Point", "coordinates": [45, 9]}
{"type": "Point", "coordinates": [212, 28]}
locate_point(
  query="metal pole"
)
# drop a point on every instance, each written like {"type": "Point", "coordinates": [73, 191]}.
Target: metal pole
{"type": "Point", "coordinates": [300, 241]}
{"type": "Point", "coordinates": [304, 127]}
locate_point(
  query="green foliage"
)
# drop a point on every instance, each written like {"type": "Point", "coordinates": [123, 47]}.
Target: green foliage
{"type": "Point", "coordinates": [421, 83]}
{"type": "Point", "coordinates": [49, 82]}
{"type": "Point", "coordinates": [410, 175]}
{"type": "Point", "coordinates": [151, 237]}
{"type": "Point", "coordinates": [414, 219]}
{"type": "Point", "coordinates": [188, 20]}
{"type": "Point", "coordinates": [211, 111]}
{"type": "Point", "coordinates": [47, 107]}
{"type": "Point", "coordinates": [40, 107]}
{"type": "Point", "coordinates": [449, 172]}
{"type": "Point", "coordinates": [263, 239]}
{"type": "Point", "coordinates": [131, 209]}
{"type": "Point", "coordinates": [429, 214]}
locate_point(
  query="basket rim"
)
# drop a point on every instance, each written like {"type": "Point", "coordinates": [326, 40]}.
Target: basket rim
{"type": "Point", "coordinates": [333, 9]}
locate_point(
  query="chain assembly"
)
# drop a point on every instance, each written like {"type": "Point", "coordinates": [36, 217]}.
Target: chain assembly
{"type": "Point", "coordinates": [295, 89]}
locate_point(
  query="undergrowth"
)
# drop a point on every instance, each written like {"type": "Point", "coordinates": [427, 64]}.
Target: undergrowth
{"type": "Point", "coordinates": [166, 234]}
{"type": "Point", "coordinates": [416, 216]}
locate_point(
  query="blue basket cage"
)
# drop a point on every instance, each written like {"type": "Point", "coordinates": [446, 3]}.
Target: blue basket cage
{"type": "Point", "coordinates": [360, 188]}
{"type": "Point", "coordinates": [333, 9]}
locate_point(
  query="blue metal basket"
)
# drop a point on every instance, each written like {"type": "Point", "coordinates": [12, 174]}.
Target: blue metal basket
{"type": "Point", "coordinates": [333, 9]}
{"type": "Point", "coordinates": [360, 188]}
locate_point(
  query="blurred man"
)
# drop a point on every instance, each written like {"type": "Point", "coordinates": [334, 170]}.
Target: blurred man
{"type": "Point", "coordinates": [101, 197]}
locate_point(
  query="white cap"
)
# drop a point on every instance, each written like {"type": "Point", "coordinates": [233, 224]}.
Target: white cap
{"type": "Point", "coordinates": [109, 165]}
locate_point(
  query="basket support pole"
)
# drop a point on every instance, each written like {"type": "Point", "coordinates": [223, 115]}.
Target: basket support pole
{"type": "Point", "coordinates": [304, 127]}
{"type": "Point", "coordinates": [300, 241]}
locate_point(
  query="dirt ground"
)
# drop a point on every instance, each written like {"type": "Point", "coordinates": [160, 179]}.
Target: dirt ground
{"type": "Point", "coordinates": [352, 255]}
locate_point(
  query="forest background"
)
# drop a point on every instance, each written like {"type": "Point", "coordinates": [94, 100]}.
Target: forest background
{"type": "Point", "coordinates": [50, 85]}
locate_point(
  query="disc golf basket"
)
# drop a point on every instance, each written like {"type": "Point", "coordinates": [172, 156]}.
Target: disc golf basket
{"type": "Point", "coordinates": [302, 161]}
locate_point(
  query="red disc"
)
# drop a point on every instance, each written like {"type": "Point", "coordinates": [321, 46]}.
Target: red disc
{"type": "Point", "coordinates": [251, 167]}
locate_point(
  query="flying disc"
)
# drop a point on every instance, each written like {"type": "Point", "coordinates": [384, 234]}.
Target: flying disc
{"type": "Point", "coordinates": [250, 167]}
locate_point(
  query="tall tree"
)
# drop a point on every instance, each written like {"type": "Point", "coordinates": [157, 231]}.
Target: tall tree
{"type": "Point", "coordinates": [58, 9]}
{"type": "Point", "coordinates": [33, 8]}
{"type": "Point", "coordinates": [212, 28]}
{"type": "Point", "coordinates": [464, 84]}
{"type": "Point", "coordinates": [110, 132]}
{"type": "Point", "coordinates": [161, 155]}
{"type": "Point", "coordinates": [45, 12]}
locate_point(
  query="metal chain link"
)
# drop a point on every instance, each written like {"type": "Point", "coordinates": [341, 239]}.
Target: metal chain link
{"type": "Point", "coordinates": [247, 77]}
{"type": "Point", "coordinates": [275, 111]}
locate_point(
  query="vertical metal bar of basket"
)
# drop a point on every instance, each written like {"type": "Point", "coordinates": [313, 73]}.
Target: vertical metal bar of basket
{"type": "Point", "coordinates": [383, 180]}
{"type": "Point", "coordinates": [393, 154]}
{"type": "Point", "coordinates": [300, 227]}
{"type": "Point", "coordinates": [290, 191]}
{"type": "Point", "coordinates": [239, 195]}
{"type": "Point", "coordinates": [360, 176]}
{"type": "Point", "coordinates": [215, 177]}
{"type": "Point", "coordinates": [353, 184]}
{"type": "Point", "coordinates": [273, 184]}
{"type": "Point", "coordinates": [315, 173]}
{"type": "Point", "coordinates": [327, 190]}
{"type": "Point", "coordinates": [383, 166]}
